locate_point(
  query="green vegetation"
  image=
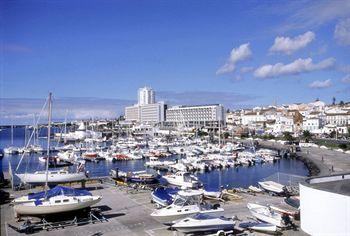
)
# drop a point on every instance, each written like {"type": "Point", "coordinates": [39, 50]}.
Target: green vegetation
{"type": "Point", "coordinates": [288, 136]}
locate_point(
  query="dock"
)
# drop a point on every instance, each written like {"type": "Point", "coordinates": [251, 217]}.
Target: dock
{"type": "Point", "coordinates": [128, 210]}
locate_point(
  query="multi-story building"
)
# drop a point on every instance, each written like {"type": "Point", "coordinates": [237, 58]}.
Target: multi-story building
{"type": "Point", "coordinates": [337, 117]}
{"type": "Point", "coordinates": [132, 113]}
{"type": "Point", "coordinates": [152, 113]}
{"type": "Point", "coordinates": [200, 115]}
{"type": "Point", "coordinates": [312, 124]}
{"type": "Point", "coordinates": [146, 95]}
{"type": "Point", "coordinates": [146, 110]}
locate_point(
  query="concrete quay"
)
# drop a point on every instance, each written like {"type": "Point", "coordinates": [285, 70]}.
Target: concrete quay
{"type": "Point", "coordinates": [325, 161]}
{"type": "Point", "coordinates": [128, 213]}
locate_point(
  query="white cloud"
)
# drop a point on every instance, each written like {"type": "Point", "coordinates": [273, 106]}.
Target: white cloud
{"type": "Point", "coordinates": [246, 69]}
{"type": "Point", "coordinates": [290, 45]}
{"type": "Point", "coordinates": [241, 53]}
{"type": "Point", "coordinates": [342, 32]}
{"type": "Point", "coordinates": [296, 67]}
{"type": "Point", "coordinates": [346, 79]}
{"type": "Point", "coordinates": [321, 84]}
{"type": "Point", "coordinates": [312, 14]}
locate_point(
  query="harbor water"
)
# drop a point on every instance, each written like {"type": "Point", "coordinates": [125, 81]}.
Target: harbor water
{"type": "Point", "coordinates": [240, 176]}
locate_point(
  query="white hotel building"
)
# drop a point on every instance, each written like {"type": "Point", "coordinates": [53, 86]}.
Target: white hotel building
{"type": "Point", "coordinates": [200, 115]}
{"type": "Point", "coordinates": [146, 111]}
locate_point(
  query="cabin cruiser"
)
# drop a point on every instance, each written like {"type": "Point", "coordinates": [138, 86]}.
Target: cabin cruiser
{"type": "Point", "coordinates": [186, 203]}
{"type": "Point", "coordinates": [203, 223]}
{"type": "Point", "coordinates": [54, 201]}
{"type": "Point", "coordinates": [182, 179]}
{"type": "Point", "coordinates": [266, 214]}
{"type": "Point", "coordinates": [272, 186]}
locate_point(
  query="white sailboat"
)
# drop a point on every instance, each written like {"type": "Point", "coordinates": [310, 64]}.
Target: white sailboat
{"type": "Point", "coordinates": [56, 200]}
{"type": "Point", "coordinates": [51, 177]}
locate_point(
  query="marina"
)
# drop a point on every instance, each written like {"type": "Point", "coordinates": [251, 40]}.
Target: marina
{"type": "Point", "coordinates": [175, 118]}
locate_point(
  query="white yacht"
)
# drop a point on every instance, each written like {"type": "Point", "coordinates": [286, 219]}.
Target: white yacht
{"type": "Point", "coordinates": [203, 223]}
{"type": "Point", "coordinates": [186, 203]}
{"type": "Point", "coordinates": [182, 179]}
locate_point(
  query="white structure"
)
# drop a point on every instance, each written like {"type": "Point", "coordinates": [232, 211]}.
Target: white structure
{"type": "Point", "coordinates": [147, 110]}
{"type": "Point", "coordinates": [196, 115]}
{"type": "Point", "coordinates": [312, 124]}
{"type": "Point", "coordinates": [337, 117]}
{"type": "Point", "coordinates": [146, 96]}
{"type": "Point", "coordinates": [283, 124]}
{"type": "Point", "coordinates": [152, 113]}
{"type": "Point", "coordinates": [132, 113]}
{"type": "Point", "coordinates": [325, 205]}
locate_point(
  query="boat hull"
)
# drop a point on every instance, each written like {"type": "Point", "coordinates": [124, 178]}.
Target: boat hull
{"type": "Point", "coordinates": [41, 178]}
{"type": "Point", "coordinates": [23, 209]}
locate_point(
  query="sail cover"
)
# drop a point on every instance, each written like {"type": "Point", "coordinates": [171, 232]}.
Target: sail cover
{"type": "Point", "coordinates": [59, 190]}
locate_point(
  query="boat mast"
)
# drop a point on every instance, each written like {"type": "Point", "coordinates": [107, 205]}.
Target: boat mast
{"type": "Point", "coordinates": [48, 144]}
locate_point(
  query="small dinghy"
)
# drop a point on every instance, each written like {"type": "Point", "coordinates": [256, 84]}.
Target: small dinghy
{"type": "Point", "coordinates": [164, 196]}
{"type": "Point", "coordinates": [203, 223]}
{"type": "Point", "coordinates": [258, 226]}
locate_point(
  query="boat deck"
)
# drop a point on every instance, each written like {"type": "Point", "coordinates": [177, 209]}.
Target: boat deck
{"type": "Point", "coordinates": [128, 213]}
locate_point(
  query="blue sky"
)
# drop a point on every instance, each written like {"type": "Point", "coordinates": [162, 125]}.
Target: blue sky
{"type": "Point", "coordinates": [240, 53]}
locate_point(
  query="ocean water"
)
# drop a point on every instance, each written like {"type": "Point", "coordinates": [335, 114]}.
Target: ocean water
{"type": "Point", "coordinates": [241, 176]}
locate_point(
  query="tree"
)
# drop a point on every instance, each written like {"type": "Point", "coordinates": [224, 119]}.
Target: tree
{"type": "Point", "coordinates": [307, 135]}
{"type": "Point", "coordinates": [333, 100]}
{"type": "Point", "coordinates": [288, 136]}
{"type": "Point", "coordinates": [341, 103]}
{"type": "Point", "coordinates": [332, 134]}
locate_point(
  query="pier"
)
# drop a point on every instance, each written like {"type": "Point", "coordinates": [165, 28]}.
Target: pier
{"type": "Point", "coordinates": [128, 211]}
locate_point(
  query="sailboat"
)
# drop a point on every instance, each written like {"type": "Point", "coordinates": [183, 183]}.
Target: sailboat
{"type": "Point", "coordinates": [55, 176]}
{"type": "Point", "coordinates": [11, 149]}
{"type": "Point", "coordinates": [56, 200]}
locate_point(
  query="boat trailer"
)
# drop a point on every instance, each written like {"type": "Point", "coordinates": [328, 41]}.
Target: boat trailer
{"type": "Point", "coordinates": [28, 227]}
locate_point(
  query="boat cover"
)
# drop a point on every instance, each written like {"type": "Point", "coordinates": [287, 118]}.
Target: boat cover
{"type": "Point", "coordinates": [59, 190]}
{"type": "Point", "coordinates": [165, 193]}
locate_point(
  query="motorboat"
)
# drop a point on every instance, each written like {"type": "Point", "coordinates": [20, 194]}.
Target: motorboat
{"type": "Point", "coordinates": [182, 179]}
{"type": "Point", "coordinates": [255, 189]}
{"type": "Point", "coordinates": [266, 214]}
{"type": "Point", "coordinates": [272, 186]}
{"type": "Point", "coordinates": [53, 177]}
{"type": "Point", "coordinates": [259, 226]}
{"type": "Point", "coordinates": [164, 196]}
{"type": "Point", "coordinates": [203, 223]}
{"type": "Point", "coordinates": [186, 203]}
{"type": "Point", "coordinates": [56, 201]}
{"type": "Point", "coordinates": [135, 176]}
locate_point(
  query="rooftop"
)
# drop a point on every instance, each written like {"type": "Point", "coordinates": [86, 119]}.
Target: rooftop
{"type": "Point", "coordinates": [339, 183]}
